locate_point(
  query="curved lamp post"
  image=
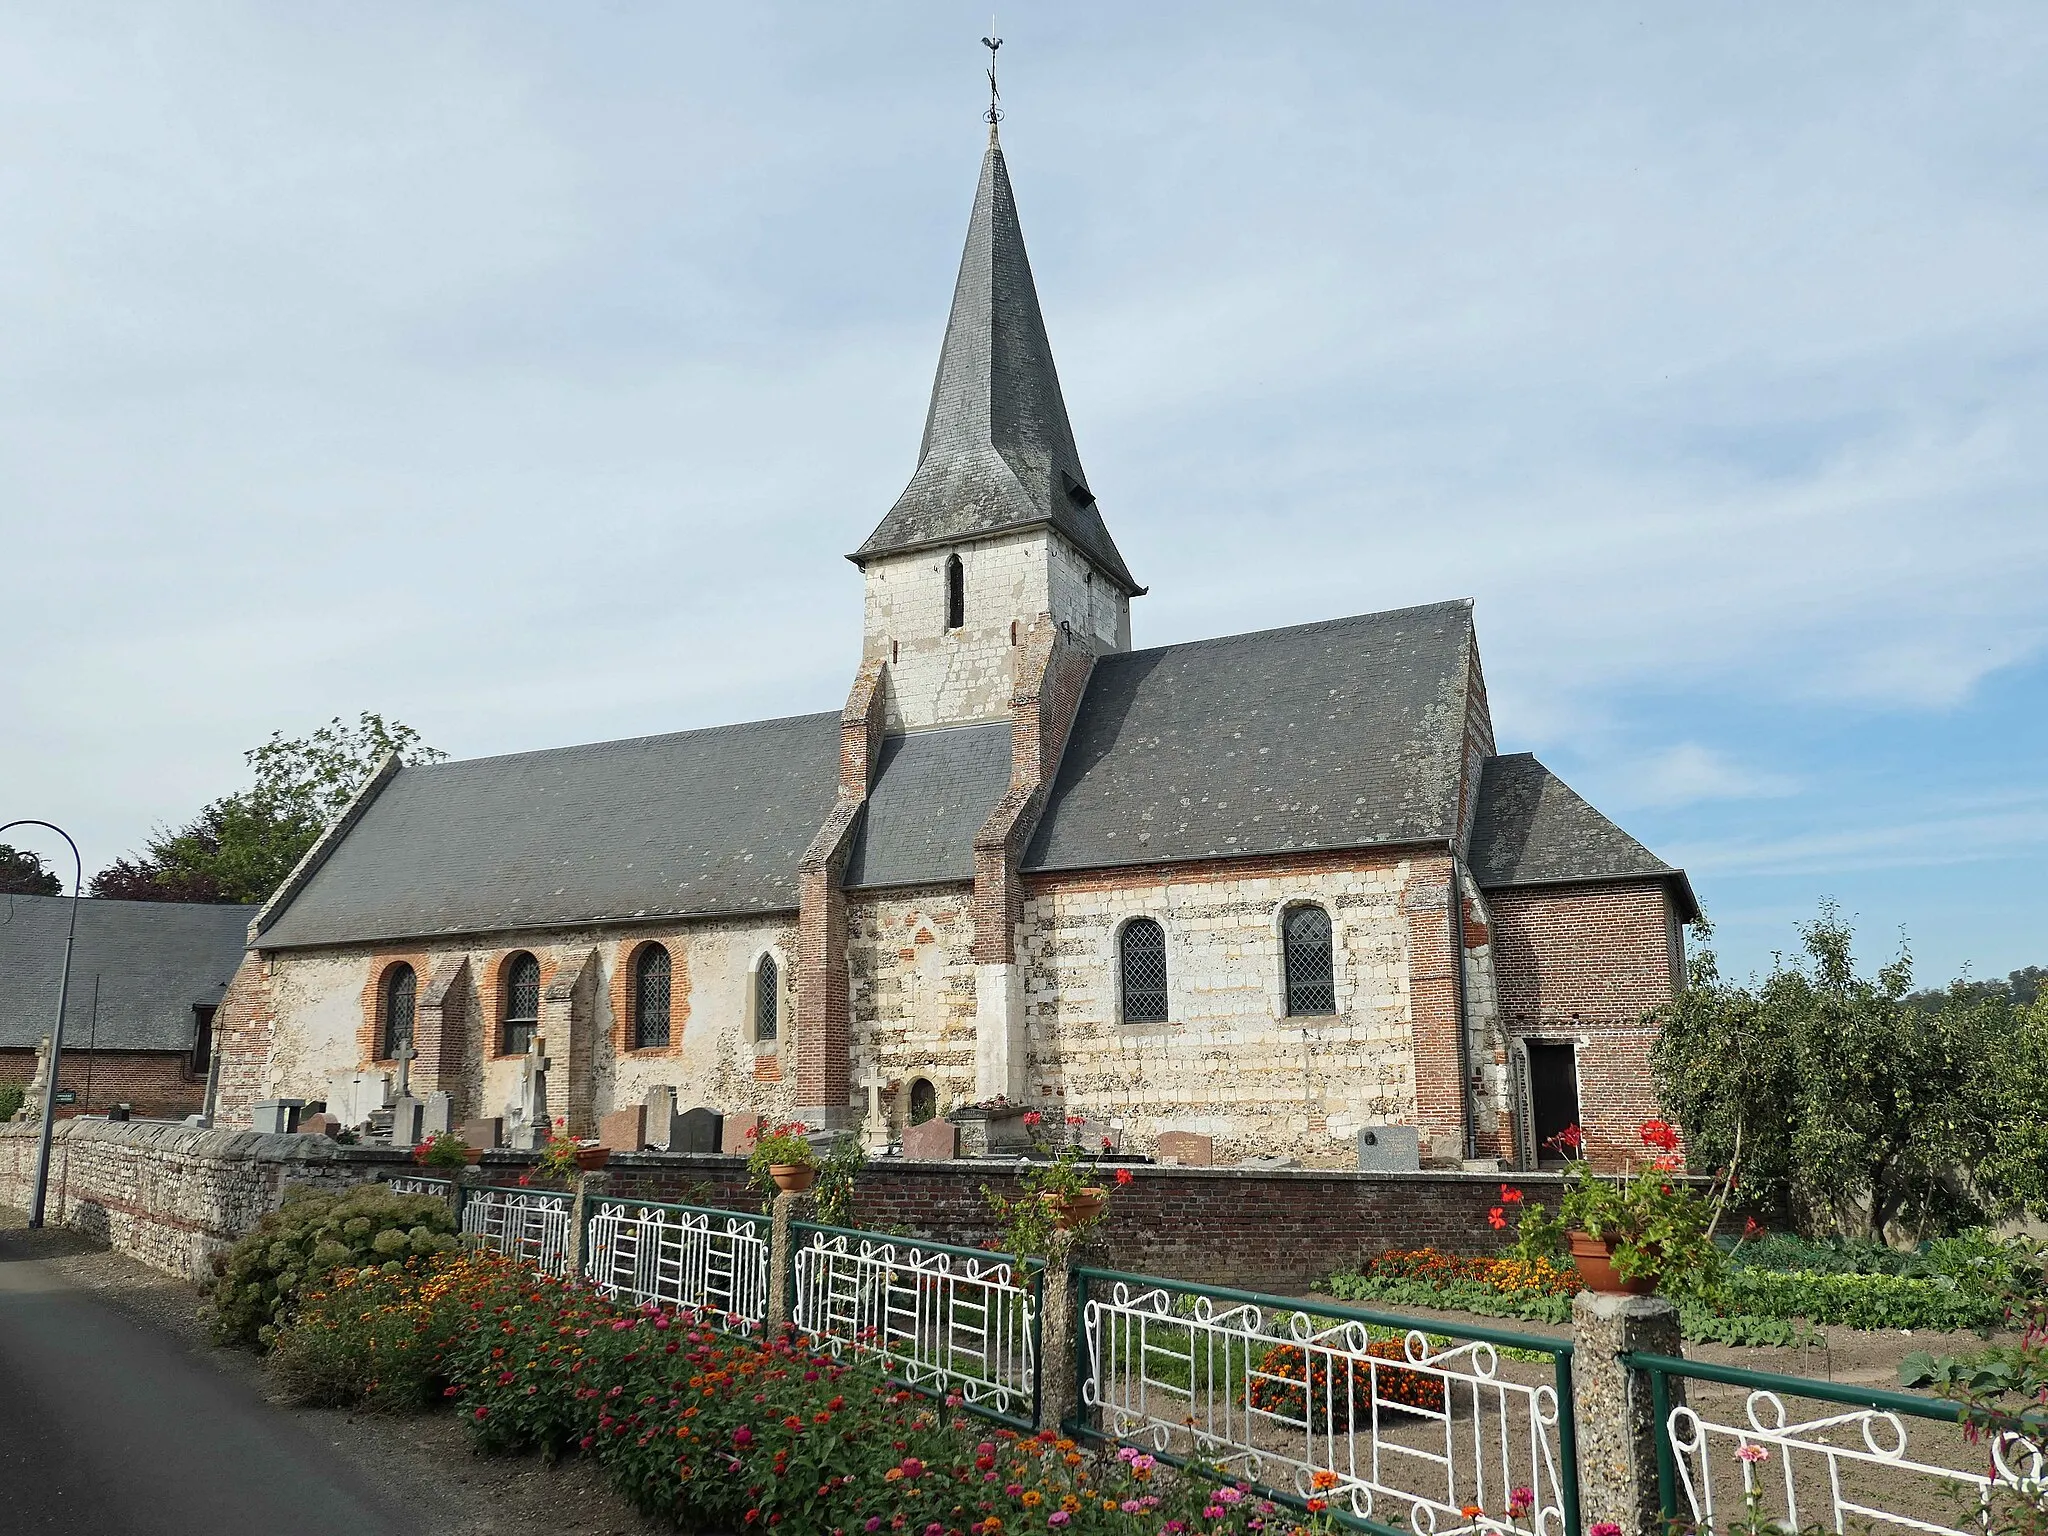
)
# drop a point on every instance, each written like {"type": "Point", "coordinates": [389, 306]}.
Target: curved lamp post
{"type": "Point", "coordinates": [50, 1063]}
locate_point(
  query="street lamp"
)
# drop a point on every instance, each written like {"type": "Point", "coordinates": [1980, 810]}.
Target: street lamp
{"type": "Point", "coordinates": [35, 1214]}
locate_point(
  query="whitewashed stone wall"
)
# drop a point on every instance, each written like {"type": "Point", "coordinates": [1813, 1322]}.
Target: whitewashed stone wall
{"type": "Point", "coordinates": [942, 677]}
{"type": "Point", "coordinates": [910, 959]}
{"type": "Point", "coordinates": [317, 1018]}
{"type": "Point", "coordinates": [1228, 1063]}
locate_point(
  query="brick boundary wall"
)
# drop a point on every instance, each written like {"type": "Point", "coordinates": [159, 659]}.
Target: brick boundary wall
{"type": "Point", "coordinates": [174, 1196]}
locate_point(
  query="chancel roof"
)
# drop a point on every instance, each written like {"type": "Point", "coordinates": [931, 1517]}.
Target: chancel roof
{"type": "Point", "coordinates": [1341, 734]}
{"type": "Point", "coordinates": [696, 823]}
{"type": "Point", "coordinates": [1531, 828]}
{"type": "Point", "coordinates": [138, 968]}
{"type": "Point", "coordinates": [998, 451]}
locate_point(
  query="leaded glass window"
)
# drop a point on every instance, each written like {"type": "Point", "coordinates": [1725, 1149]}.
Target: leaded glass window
{"type": "Point", "coordinates": [767, 999]}
{"type": "Point", "coordinates": [522, 1005]}
{"type": "Point", "coordinates": [1143, 955]}
{"type": "Point", "coordinates": [1305, 951]}
{"type": "Point", "coordinates": [400, 987]}
{"type": "Point", "coordinates": [650, 998]}
{"type": "Point", "coordinates": [956, 593]}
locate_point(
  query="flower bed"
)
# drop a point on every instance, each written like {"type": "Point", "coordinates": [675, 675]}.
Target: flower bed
{"type": "Point", "coordinates": [717, 1432]}
{"type": "Point", "coordinates": [1296, 1386]}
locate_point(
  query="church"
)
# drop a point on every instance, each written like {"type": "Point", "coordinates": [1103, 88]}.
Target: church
{"type": "Point", "coordinates": [1273, 889]}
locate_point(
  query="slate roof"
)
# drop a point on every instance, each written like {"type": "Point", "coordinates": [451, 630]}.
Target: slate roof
{"type": "Point", "coordinates": [694, 823]}
{"type": "Point", "coordinates": [1530, 828]}
{"type": "Point", "coordinates": [151, 960]}
{"type": "Point", "coordinates": [1341, 734]}
{"type": "Point", "coordinates": [932, 793]}
{"type": "Point", "coordinates": [998, 451]}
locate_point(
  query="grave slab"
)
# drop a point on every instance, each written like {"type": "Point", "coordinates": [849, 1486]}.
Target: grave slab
{"type": "Point", "coordinates": [623, 1130]}
{"type": "Point", "coordinates": [733, 1138]}
{"type": "Point", "coordinates": [1187, 1149]}
{"type": "Point", "coordinates": [1389, 1149]}
{"type": "Point", "coordinates": [660, 1129]}
{"type": "Point", "coordinates": [936, 1141]}
{"type": "Point", "coordinates": [439, 1117]}
{"type": "Point", "coordinates": [484, 1134]}
{"type": "Point", "coordinates": [697, 1130]}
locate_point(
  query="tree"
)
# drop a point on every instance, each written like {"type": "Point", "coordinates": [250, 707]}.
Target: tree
{"type": "Point", "coordinates": [241, 847]}
{"type": "Point", "coordinates": [1832, 1092]}
{"type": "Point", "coordinates": [22, 874]}
{"type": "Point", "coordinates": [2013, 1170]}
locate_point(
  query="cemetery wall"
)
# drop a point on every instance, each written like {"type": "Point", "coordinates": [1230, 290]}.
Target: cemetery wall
{"type": "Point", "coordinates": [172, 1195]}
{"type": "Point", "coordinates": [1228, 1062]}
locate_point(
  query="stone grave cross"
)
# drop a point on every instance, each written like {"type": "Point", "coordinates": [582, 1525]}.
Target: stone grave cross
{"type": "Point", "coordinates": [876, 1128]}
{"type": "Point", "coordinates": [404, 1057]}
{"type": "Point", "coordinates": [531, 1110]}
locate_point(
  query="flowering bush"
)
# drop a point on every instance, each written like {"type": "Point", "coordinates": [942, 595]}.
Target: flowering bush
{"type": "Point", "coordinates": [1055, 1192]}
{"type": "Point", "coordinates": [717, 1432]}
{"type": "Point", "coordinates": [310, 1234]}
{"type": "Point", "coordinates": [1296, 1385]}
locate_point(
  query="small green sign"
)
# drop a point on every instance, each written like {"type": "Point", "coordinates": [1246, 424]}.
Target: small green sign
{"type": "Point", "coordinates": [67, 1095]}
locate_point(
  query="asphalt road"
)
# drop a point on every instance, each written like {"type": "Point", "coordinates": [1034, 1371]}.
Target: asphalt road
{"type": "Point", "coordinates": [110, 1425]}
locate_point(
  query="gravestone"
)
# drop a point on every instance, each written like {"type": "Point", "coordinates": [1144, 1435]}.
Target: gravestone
{"type": "Point", "coordinates": [320, 1125]}
{"type": "Point", "coordinates": [484, 1134]}
{"type": "Point", "coordinates": [407, 1116]}
{"type": "Point", "coordinates": [736, 1137]}
{"type": "Point", "coordinates": [1095, 1136]}
{"type": "Point", "coordinates": [275, 1117]}
{"type": "Point", "coordinates": [623, 1130]}
{"type": "Point", "coordinates": [1389, 1149]}
{"type": "Point", "coordinates": [439, 1118]}
{"type": "Point", "coordinates": [874, 1123]}
{"type": "Point", "coordinates": [697, 1130]}
{"type": "Point", "coordinates": [660, 1127]}
{"type": "Point", "coordinates": [353, 1099]}
{"type": "Point", "coordinates": [936, 1141]}
{"type": "Point", "coordinates": [527, 1123]}
{"type": "Point", "coordinates": [1186, 1149]}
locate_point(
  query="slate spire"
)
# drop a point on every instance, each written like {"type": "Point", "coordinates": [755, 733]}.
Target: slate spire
{"type": "Point", "coordinates": [998, 452]}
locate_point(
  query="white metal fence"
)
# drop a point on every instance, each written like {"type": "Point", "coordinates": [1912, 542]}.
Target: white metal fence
{"type": "Point", "coordinates": [1851, 1468]}
{"type": "Point", "coordinates": [529, 1224]}
{"type": "Point", "coordinates": [714, 1261]}
{"type": "Point", "coordinates": [950, 1320]}
{"type": "Point", "coordinates": [1396, 1430]}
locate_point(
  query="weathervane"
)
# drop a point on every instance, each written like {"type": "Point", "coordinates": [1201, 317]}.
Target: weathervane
{"type": "Point", "coordinates": [995, 96]}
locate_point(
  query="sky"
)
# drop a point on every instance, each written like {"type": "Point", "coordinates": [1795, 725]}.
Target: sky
{"type": "Point", "coordinates": [524, 371]}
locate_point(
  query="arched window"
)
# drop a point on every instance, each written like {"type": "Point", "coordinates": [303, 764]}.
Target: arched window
{"type": "Point", "coordinates": [1142, 951]}
{"type": "Point", "coordinates": [767, 998]}
{"type": "Point", "coordinates": [400, 988]}
{"type": "Point", "coordinates": [650, 997]}
{"type": "Point", "coordinates": [1305, 955]}
{"type": "Point", "coordinates": [956, 593]}
{"type": "Point", "coordinates": [924, 1101]}
{"type": "Point", "coordinates": [521, 1014]}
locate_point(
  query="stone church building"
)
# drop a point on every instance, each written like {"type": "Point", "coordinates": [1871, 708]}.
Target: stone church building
{"type": "Point", "coordinates": [1272, 888]}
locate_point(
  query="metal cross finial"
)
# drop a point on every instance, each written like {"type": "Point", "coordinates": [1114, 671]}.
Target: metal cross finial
{"type": "Point", "coordinates": [995, 96]}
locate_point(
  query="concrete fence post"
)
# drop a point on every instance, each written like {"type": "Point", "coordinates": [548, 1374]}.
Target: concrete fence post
{"type": "Point", "coordinates": [789, 1206]}
{"type": "Point", "coordinates": [1617, 1429]}
{"type": "Point", "coordinates": [589, 1187]}
{"type": "Point", "coordinates": [1058, 1325]}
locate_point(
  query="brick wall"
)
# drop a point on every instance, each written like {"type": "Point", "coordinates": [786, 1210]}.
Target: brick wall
{"type": "Point", "coordinates": [160, 1084]}
{"type": "Point", "coordinates": [1585, 963]}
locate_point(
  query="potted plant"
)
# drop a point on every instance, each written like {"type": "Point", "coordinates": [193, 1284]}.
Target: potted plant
{"type": "Point", "coordinates": [1643, 1230]}
{"type": "Point", "coordinates": [1063, 1194]}
{"type": "Point", "coordinates": [562, 1156]}
{"type": "Point", "coordinates": [784, 1155]}
{"type": "Point", "coordinates": [446, 1150]}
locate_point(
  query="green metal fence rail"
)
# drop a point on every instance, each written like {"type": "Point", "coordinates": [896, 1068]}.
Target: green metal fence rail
{"type": "Point", "coordinates": [949, 1321]}
{"type": "Point", "coordinates": [1395, 1434]}
{"type": "Point", "coordinates": [1685, 1442]}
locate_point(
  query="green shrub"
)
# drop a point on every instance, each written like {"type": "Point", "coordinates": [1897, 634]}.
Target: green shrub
{"type": "Point", "coordinates": [371, 1337]}
{"type": "Point", "coordinates": [1859, 1300]}
{"type": "Point", "coordinates": [312, 1234]}
{"type": "Point", "coordinates": [11, 1095]}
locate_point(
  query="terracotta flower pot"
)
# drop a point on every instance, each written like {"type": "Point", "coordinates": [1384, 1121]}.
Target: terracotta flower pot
{"type": "Point", "coordinates": [793, 1178]}
{"type": "Point", "coordinates": [1076, 1210]}
{"type": "Point", "coordinates": [1593, 1257]}
{"type": "Point", "coordinates": [590, 1159]}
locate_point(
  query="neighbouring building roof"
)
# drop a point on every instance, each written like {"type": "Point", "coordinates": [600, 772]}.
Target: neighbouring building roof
{"type": "Point", "coordinates": [932, 793]}
{"type": "Point", "coordinates": [1341, 734]}
{"type": "Point", "coordinates": [1531, 828]}
{"type": "Point", "coordinates": [697, 823]}
{"type": "Point", "coordinates": [138, 968]}
{"type": "Point", "coordinates": [998, 451]}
